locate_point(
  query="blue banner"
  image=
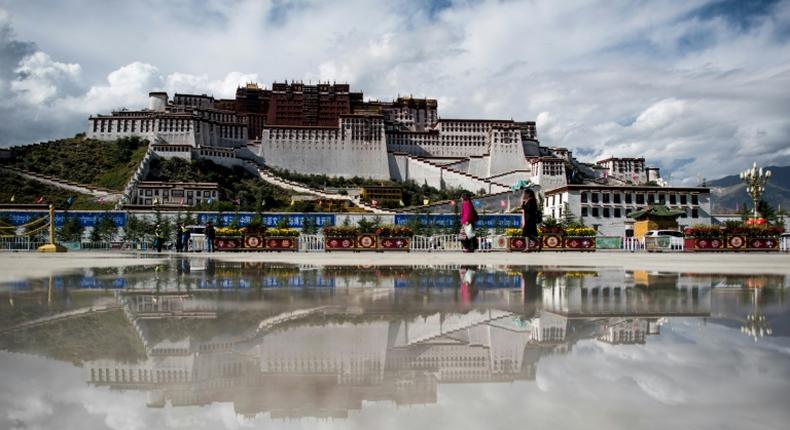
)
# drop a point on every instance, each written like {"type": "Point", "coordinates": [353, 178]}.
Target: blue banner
{"type": "Point", "coordinates": [86, 219]}
{"type": "Point", "coordinates": [446, 221]}
{"type": "Point", "coordinates": [295, 220]}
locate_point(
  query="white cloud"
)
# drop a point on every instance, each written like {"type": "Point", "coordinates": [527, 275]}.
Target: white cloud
{"type": "Point", "coordinates": [40, 79]}
{"type": "Point", "coordinates": [667, 82]}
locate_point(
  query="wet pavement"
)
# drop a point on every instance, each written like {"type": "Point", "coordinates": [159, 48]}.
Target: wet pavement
{"type": "Point", "coordinates": [199, 343]}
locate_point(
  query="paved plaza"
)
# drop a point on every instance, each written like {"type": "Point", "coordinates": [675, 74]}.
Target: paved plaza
{"type": "Point", "coordinates": [15, 266]}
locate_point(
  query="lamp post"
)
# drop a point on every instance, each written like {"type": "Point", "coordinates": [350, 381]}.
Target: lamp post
{"type": "Point", "coordinates": [755, 180]}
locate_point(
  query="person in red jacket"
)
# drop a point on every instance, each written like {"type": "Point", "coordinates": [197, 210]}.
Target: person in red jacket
{"type": "Point", "coordinates": [468, 219]}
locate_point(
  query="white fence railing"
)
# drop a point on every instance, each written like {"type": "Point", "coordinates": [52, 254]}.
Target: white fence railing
{"type": "Point", "coordinates": [784, 244]}
{"type": "Point", "coordinates": [20, 243]}
{"type": "Point", "coordinates": [633, 244]}
{"type": "Point", "coordinates": [311, 242]}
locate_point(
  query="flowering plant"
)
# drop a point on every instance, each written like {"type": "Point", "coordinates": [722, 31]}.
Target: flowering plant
{"type": "Point", "coordinates": [513, 232]}
{"type": "Point", "coordinates": [340, 231]}
{"type": "Point", "coordinates": [552, 230]}
{"type": "Point", "coordinates": [281, 232]}
{"type": "Point", "coordinates": [229, 231]}
{"type": "Point", "coordinates": [390, 230]}
{"type": "Point", "coordinates": [703, 231]}
{"type": "Point", "coordinates": [755, 231]}
{"type": "Point", "coordinates": [580, 231]}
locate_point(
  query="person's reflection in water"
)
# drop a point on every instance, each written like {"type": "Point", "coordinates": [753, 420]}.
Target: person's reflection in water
{"type": "Point", "coordinates": [468, 288]}
{"type": "Point", "coordinates": [182, 267]}
{"type": "Point", "coordinates": [530, 290]}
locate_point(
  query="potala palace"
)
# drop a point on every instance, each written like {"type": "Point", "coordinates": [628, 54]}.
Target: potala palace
{"type": "Point", "coordinates": [329, 129]}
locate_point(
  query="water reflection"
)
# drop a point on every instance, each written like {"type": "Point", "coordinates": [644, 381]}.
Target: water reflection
{"type": "Point", "coordinates": [303, 341]}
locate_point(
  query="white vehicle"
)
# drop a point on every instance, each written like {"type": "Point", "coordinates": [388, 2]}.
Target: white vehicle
{"type": "Point", "coordinates": [664, 233]}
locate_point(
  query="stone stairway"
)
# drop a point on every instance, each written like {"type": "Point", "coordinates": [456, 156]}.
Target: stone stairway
{"type": "Point", "coordinates": [459, 176]}
{"type": "Point", "coordinates": [98, 192]}
{"type": "Point", "coordinates": [270, 177]}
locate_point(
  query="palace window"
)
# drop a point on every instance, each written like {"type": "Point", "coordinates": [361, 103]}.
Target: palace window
{"type": "Point", "coordinates": [695, 213]}
{"type": "Point", "coordinates": [629, 198]}
{"type": "Point", "coordinates": [673, 199]}
{"type": "Point", "coordinates": [683, 199]}
{"type": "Point", "coordinates": [606, 212]}
{"type": "Point", "coordinates": [595, 198]}
{"type": "Point", "coordinates": [662, 198]}
{"type": "Point", "coordinates": [605, 197]}
{"type": "Point", "coordinates": [651, 198]}
{"type": "Point", "coordinates": [584, 211]}
{"type": "Point", "coordinates": [640, 199]}
{"type": "Point", "coordinates": [618, 213]}
{"type": "Point", "coordinates": [694, 199]}
{"type": "Point", "coordinates": [595, 212]}
{"type": "Point", "coordinates": [616, 198]}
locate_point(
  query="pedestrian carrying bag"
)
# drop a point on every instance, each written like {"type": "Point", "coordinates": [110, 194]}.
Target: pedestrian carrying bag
{"type": "Point", "coordinates": [468, 231]}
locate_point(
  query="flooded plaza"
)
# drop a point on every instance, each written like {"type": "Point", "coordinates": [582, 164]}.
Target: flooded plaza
{"type": "Point", "coordinates": [202, 343]}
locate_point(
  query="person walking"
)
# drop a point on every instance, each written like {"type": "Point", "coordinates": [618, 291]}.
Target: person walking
{"type": "Point", "coordinates": [210, 233]}
{"type": "Point", "coordinates": [185, 236]}
{"type": "Point", "coordinates": [530, 218]}
{"type": "Point", "coordinates": [179, 237]}
{"type": "Point", "coordinates": [468, 219]}
{"type": "Point", "coordinates": [160, 237]}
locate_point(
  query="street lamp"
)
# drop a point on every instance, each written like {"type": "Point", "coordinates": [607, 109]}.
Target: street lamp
{"type": "Point", "coordinates": [755, 180]}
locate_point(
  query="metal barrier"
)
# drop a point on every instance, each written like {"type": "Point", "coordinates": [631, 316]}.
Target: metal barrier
{"type": "Point", "coordinates": [444, 242]}
{"type": "Point", "coordinates": [20, 243]}
{"type": "Point", "coordinates": [784, 244]}
{"type": "Point", "coordinates": [311, 243]}
{"type": "Point", "coordinates": [633, 244]}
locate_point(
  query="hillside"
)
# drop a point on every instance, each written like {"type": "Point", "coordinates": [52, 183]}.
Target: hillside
{"type": "Point", "coordinates": [85, 161]}
{"type": "Point", "coordinates": [27, 191]}
{"type": "Point", "coordinates": [234, 184]}
{"type": "Point", "coordinates": [729, 191]}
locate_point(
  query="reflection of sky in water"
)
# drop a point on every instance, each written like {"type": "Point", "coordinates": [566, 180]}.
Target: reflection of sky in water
{"type": "Point", "coordinates": [453, 348]}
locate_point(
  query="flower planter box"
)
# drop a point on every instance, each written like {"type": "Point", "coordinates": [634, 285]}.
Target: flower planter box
{"type": "Point", "coordinates": [704, 244]}
{"type": "Point", "coordinates": [228, 243]}
{"type": "Point", "coordinates": [366, 242]}
{"type": "Point", "coordinates": [339, 243]}
{"type": "Point", "coordinates": [763, 244]}
{"type": "Point", "coordinates": [552, 241]}
{"type": "Point", "coordinates": [282, 243]}
{"type": "Point", "coordinates": [253, 242]}
{"type": "Point", "coordinates": [579, 243]}
{"type": "Point", "coordinates": [394, 243]}
{"type": "Point", "coordinates": [517, 243]}
{"type": "Point", "coordinates": [736, 242]}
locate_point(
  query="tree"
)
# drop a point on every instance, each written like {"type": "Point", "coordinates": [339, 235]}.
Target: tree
{"type": "Point", "coordinates": [104, 230]}
{"type": "Point", "coordinates": [309, 226]}
{"type": "Point", "coordinates": [135, 229]}
{"type": "Point", "coordinates": [71, 230]}
{"type": "Point", "coordinates": [165, 225]}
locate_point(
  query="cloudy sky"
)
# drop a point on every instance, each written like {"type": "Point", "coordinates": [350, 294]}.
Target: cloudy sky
{"type": "Point", "coordinates": [699, 87]}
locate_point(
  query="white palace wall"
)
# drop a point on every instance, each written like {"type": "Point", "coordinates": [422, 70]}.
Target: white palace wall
{"type": "Point", "coordinates": [347, 152]}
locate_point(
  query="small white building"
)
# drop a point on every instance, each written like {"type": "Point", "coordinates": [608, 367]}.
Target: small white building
{"type": "Point", "coordinates": [606, 207]}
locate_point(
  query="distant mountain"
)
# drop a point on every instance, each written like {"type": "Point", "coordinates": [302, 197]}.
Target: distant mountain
{"type": "Point", "coordinates": [729, 192]}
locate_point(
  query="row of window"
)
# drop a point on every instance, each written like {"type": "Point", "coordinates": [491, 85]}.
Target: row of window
{"type": "Point", "coordinates": [177, 193]}
{"type": "Point", "coordinates": [638, 198]}
{"type": "Point", "coordinates": [597, 212]}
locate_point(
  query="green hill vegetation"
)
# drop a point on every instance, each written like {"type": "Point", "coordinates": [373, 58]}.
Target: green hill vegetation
{"type": "Point", "coordinates": [252, 192]}
{"type": "Point", "coordinates": [413, 193]}
{"type": "Point", "coordinates": [27, 191]}
{"type": "Point", "coordinates": [82, 160]}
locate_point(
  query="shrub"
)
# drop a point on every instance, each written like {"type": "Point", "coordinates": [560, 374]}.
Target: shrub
{"type": "Point", "coordinates": [341, 231]}
{"type": "Point", "coordinates": [281, 232]}
{"type": "Point", "coordinates": [391, 230]}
